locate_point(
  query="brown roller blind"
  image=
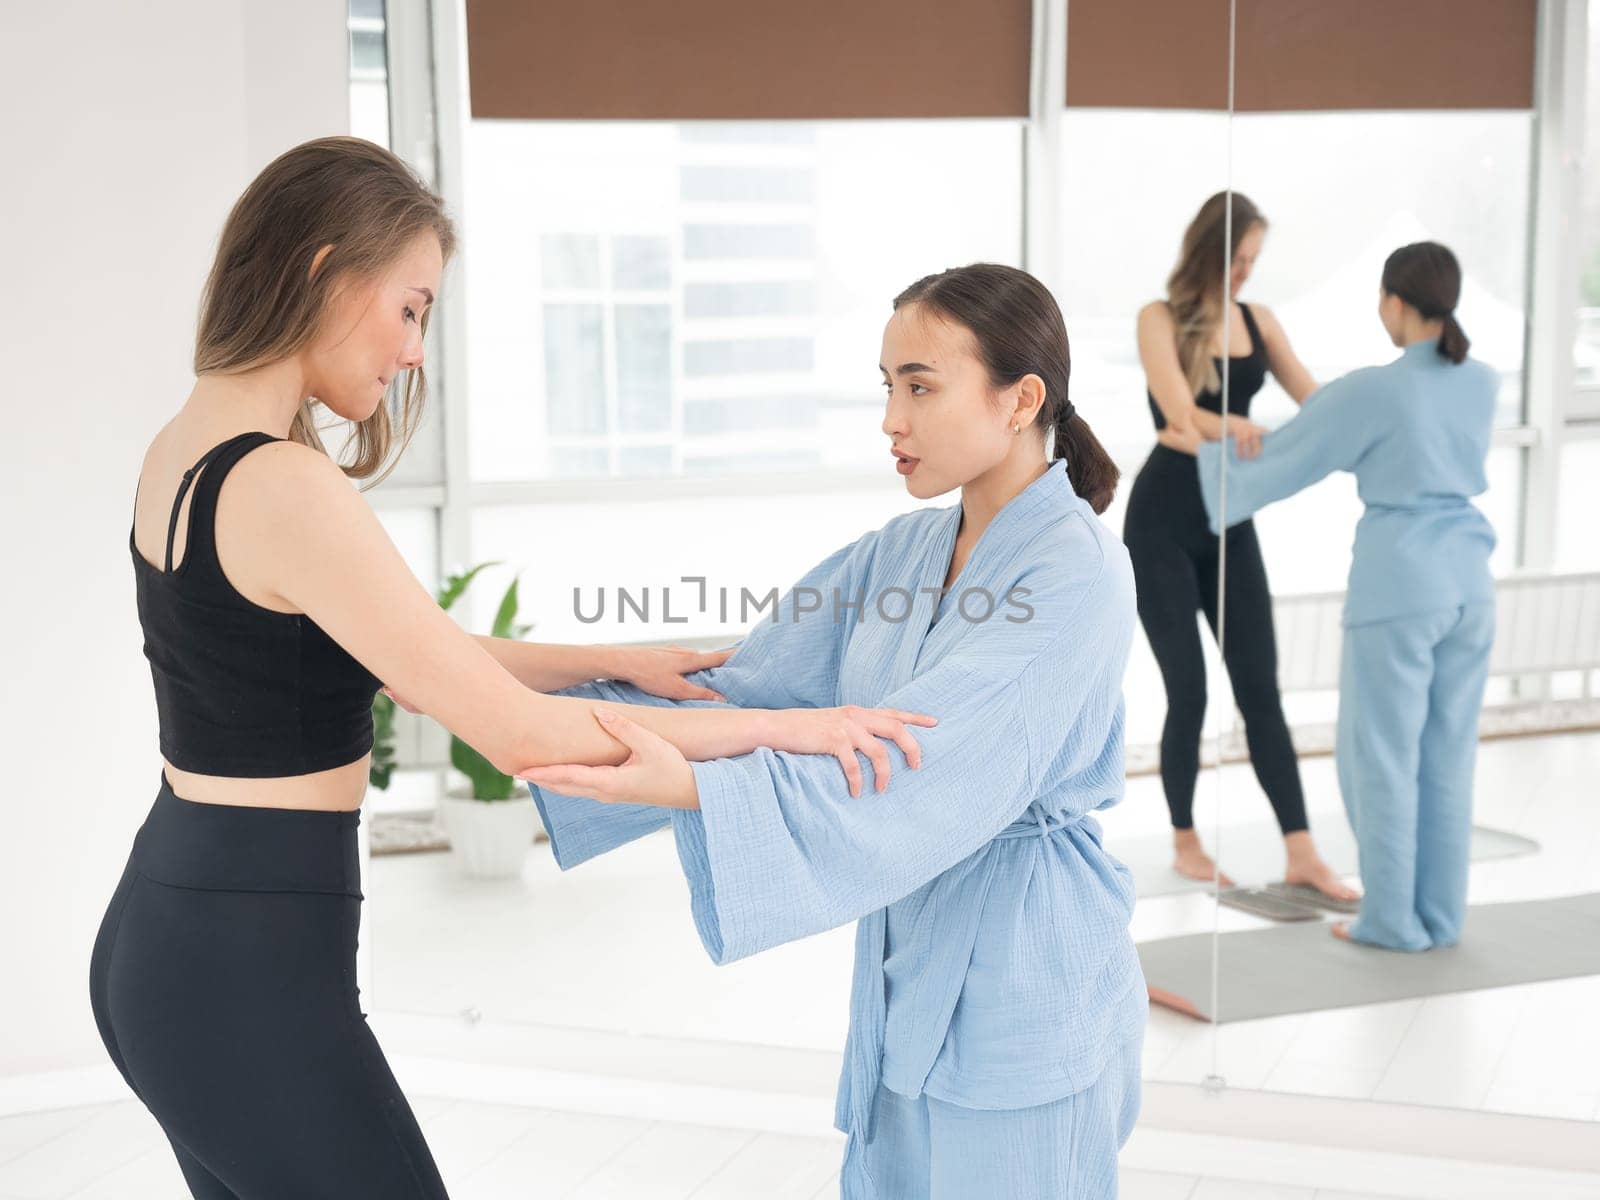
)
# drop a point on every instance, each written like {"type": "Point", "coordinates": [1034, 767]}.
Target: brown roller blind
{"type": "Point", "coordinates": [1302, 55]}
{"type": "Point", "coordinates": [1147, 53]}
{"type": "Point", "coordinates": [748, 59]}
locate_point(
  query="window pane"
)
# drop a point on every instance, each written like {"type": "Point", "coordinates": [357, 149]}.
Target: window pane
{"type": "Point", "coordinates": [1340, 192]}
{"type": "Point", "coordinates": [749, 185]}
{"type": "Point", "coordinates": [780, 299]}
{"type": "Point", "coordinates": [641, 263]}
{"type": "Point", "coordinates": [646, 460]}
{"type": "Point", "coordinates": [749, 241]}
{"type": "Point", "coordinates": [754, 460]}
{"type": "Point", "coordinates": [644, 369]}
{"type": "Point", "coordinates": [369, 72]}
{"type": "Point", "coordinates": [570, 261]}
{"type": "Point", "coordinates": [748, 356]}
{"type": "Point", "coordinates": [775, 251]}
{"type": "Point", "coordinates": [751, 412]}
{"type": "Point", "coordinates": [755, 132]}
{"type": "Point", "coordinates": [574, 368]}
{"type": "Point", "coordinates": [1332, 228]}
{"type": "Point", "coordinates": [415, 533]}
{"type": "Point", "coordinates": [1577, 547]}
{"type": "Point", "coordinates": [1586, 346]}
{"type": "Point", "coordinates": [367, 51]}
{"type": "Point", "coordinates": [1105, 279]}
{"type": "Point", "coordinates": [578, 462]}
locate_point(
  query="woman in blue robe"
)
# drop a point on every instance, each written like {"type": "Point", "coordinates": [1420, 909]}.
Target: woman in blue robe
{"type": "Point", "coordinates": [997, 1010]}
{"type": "Point", "coordinates": [1419, 610]}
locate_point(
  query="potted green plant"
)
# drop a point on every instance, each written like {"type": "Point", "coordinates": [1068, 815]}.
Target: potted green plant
{"type": "Point", "coordinates": [491, 820]}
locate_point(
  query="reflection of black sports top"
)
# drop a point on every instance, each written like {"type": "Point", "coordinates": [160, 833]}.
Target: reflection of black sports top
{"type": "Point", "coordinates": [1246, 375]}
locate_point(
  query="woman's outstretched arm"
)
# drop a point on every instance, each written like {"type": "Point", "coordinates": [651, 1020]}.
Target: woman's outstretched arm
{"type": "Point", "coordinates": [328, 556]}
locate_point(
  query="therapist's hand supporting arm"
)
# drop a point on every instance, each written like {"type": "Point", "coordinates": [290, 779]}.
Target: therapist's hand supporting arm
{"type": "Point", "coordinates": [656, 773]}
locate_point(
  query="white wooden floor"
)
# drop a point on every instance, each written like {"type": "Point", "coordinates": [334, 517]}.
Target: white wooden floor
{"type": "Point", "coordinates": [499, 1152]}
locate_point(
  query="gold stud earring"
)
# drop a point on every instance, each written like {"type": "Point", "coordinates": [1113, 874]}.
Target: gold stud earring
{"type": "Point", "coordinates": [1016, 428]}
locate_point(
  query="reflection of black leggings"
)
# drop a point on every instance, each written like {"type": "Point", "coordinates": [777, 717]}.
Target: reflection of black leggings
{"type": "Point", "coordinates": [1175, 557]}
{"type": "Point", "coordinates": [223, 983]}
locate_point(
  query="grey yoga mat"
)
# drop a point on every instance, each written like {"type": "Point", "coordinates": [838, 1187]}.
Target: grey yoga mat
{"type": "Point", "coordinates": [1253, 854]}
{"type": "Point", "coordinates": [1304, 968]}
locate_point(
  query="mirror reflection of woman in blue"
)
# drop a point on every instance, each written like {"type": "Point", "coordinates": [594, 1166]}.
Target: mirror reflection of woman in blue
{"type": "Point", "coordinates": [1176, 558]}
{"type": "Point", "coordinates": [1419, 613]}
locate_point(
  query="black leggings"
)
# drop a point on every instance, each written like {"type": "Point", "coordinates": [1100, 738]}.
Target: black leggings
{"type": "Point", "coordinates": [223, 983]}
{"type": "Point", "coordinates": [1175, 558]}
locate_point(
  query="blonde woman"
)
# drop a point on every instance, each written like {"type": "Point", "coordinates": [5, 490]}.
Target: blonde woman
{"type": "Point", "coordinates": [272, 604]}
{"type": "Point", "coordinates": [1175, 554]}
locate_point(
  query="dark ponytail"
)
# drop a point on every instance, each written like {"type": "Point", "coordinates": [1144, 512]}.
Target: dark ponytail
{"type": "Point", "coordinates": [1019, 331]}
{"type": "Point", "coordinates": [1427, 276]}
{"type": "Point", "coordinates": [1094, 476]}
{"type": "Point", "coordinates": [1453, 340]}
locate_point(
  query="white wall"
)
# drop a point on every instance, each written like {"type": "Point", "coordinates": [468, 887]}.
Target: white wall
{"type": "Point", "coordinates": [129, 130]}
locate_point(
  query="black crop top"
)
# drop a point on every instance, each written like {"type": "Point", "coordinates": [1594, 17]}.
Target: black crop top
{"type": "Point", "coordinates": [241, 690]}
{"type": "Point", "coordinates": [1247, 373]}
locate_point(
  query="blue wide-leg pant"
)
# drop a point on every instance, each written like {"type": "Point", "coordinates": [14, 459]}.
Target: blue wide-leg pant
{"type": "Point", "coordinates": [927, 1149]}
{"type": "Point", "coordinates": [1409, 696]}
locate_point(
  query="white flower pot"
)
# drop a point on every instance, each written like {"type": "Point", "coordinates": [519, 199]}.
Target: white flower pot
{"type": "Point", "coordinates": [490, 838]}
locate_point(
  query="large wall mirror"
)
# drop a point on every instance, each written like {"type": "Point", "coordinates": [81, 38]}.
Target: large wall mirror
{"type": "Point", "coordinates": [1372, 468]}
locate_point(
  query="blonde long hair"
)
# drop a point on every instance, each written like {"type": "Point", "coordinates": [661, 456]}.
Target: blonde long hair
{"type": "Point", "coordinates": [262, 303]}
{"type": "Point", "coordinates": [1196, 292]}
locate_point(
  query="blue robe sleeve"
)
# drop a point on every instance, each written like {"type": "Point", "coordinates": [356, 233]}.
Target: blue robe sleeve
{"type": "Point", "coordinates": [790, 660]}
{"type": "Point", "coordinates": [779, 850]}
{"type": "Point", "coordinates": [580, 828]}
{"type": "Point", "coordinates": [1333, 429]}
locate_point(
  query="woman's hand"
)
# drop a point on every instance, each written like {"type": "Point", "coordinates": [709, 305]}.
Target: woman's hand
{"type": "Point", "coordinates": [1246, 436]}
{"type": "Point", "coordinates": [1185, 439]}
{"type": "Point", "coordinates": [842, 732]}
{"type": "Point", "coordinates": [661, 670]}
{"type": "Point", "coordinates": [654, 772]}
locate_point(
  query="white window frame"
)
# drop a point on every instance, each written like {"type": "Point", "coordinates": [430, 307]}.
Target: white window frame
{"type": "Point", "coordinates": [1550, 377]}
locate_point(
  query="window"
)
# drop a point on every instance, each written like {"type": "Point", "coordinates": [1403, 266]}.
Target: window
{"type": "Point", "coordinates": [1577, 548]}
{"type": "Point", "coordinates": [1343, 190]}
{"type": "Point", "coordinates": [707, 299]}
{"type": "Point", "coordinates": [1120, 239]}
{"type": "Point", "coordinates": [369, 71]}
{"type": "Point", "coordinates": [1586, 346]}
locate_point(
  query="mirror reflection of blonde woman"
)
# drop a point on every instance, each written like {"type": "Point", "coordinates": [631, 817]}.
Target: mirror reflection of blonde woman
{"type": "Point", "coordinates": [1175, 554]}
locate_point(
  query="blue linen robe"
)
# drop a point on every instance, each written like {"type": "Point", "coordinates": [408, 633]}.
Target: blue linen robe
{"type": "Point", "coordinates": [994, 969]}
{"type": "Point", "coordinates": [1418, 617]}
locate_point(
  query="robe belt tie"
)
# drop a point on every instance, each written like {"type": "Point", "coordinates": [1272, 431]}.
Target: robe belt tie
{"type": "Point", "coordinates": [863, 1052]}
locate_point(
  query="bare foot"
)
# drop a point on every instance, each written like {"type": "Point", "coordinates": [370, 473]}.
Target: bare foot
{"type": "Point", "coordinates": [1191, 861]}
{"type": "Point", "coordinates": [1321, 876]}
{"type": "Point", "coordinates": [1307, 868]}
{"type": "Point", "coordinates": [1341, 930]}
